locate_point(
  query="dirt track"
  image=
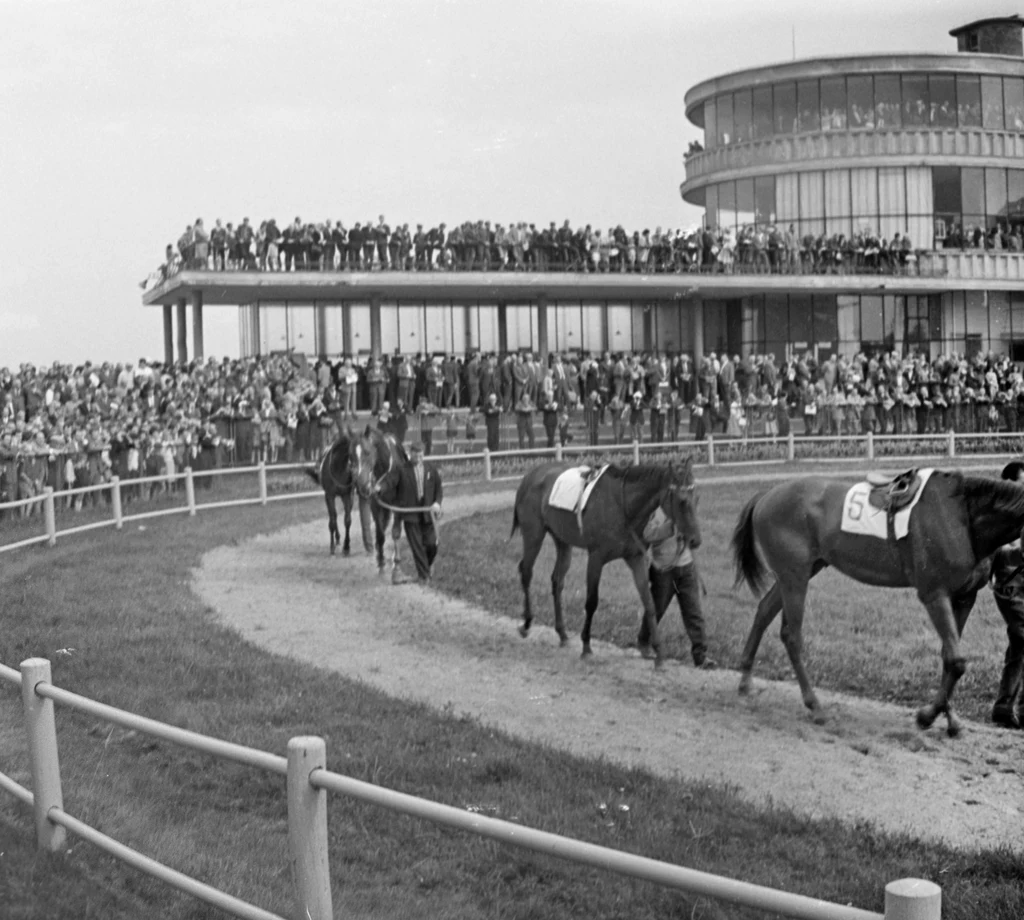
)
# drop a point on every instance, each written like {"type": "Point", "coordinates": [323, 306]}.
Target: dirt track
{"type": "Point", "coordinates": [859, 761]}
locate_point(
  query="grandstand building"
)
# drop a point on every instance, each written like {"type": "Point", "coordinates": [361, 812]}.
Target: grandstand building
{"type": "Point", "coordinates": [928, 146]}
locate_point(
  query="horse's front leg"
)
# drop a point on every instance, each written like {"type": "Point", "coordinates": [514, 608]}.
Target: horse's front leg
{"type": "Point", "coordinates": [366, 522]}
{"type": "Point", "coordinates": [563, 558]}
{"type": "Point", "coordinates": [638, 566]}
{"type": "Point", "coordinates": [948, 625]}
{"type": "Point", "coordinates": [332, 521]}
{"type": "Point", "coordinates": [346, 546]}
{"type": "Point", "coordinates": [595, 565]}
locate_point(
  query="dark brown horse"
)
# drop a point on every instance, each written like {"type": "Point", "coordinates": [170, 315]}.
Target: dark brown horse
{"type": "Point", "coordinates": [335, 476]}
{"type": "Point", "coordinates": [794, 531]}
{"type": "Point", "coordinates": [612, 523]}
{"type": "Point", "coordinates": [379, 457]}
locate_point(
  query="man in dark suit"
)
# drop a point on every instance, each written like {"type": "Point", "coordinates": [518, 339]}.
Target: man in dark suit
{"type": "Point", "coordinates": [419, 486]}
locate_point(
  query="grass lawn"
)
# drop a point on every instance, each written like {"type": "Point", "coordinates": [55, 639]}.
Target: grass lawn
{"type": "Point", "coordinates": [143, 642]}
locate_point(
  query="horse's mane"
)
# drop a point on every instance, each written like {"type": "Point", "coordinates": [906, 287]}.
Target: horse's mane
{"type": "Point", "coordinates": [983, 493]}
{"type": "Point", "coordinates": [639, 473]}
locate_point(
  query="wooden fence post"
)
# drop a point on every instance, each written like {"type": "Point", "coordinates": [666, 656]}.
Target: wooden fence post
{"type": "Point", "coordinates": [711, 449]}
{"type": "Point", "coordinates": [261, 472]}
{"type": "Point", "coordinates": [190, 491]}
{"type": "Point", "coordinates": [558, 451]}
{"type": "Point", "coordinates": [871, 445]}
{"type": "Point", "coordinates": [42, 751]}
{"type": "Point", "coordinates": [487, 464]}
{"type": "Point", "coordinates": [50, 516]}
{"type": "Point", "coordinates": [951, 450]}
{"type": "Point", "coordinates": [636, 453]}
{"type": "Point", "coordinates": [307, 829]}
{"type": "Point", "coordinates": [790, 446]}
{"type": "Point", "coordinates": [115, 501]}
{"type": "Point", "coordinates": [913, 899]}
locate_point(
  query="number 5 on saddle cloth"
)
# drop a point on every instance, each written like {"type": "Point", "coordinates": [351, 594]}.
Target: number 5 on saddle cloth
{"type": "Point", "coordinates": [882, 504]}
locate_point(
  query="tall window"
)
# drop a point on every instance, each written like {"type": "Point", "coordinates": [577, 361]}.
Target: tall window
{"type": "Point", "coordinates": [995, 198]}
{"type": "Point", "coordinates": [764, 200]}
{"type": "Point", "coordinates": [860, 102]}
{"type": "Point", "coordinates": [968, 102]}
{"type": "Point", "coordinates": [710, 124]}
{"type": "Point", "coordinates": [763, 124]}
{"type": "Point", "coordinates": [742, 116]}
{"type": "Point", "coordinates": [784, 106]}
{"type": "Point", "coordinates": [726, 132]}
{"type": "Point", "coordinates": [833, 104]}
{"type": "Point", "coordinates": [942, 101]}
{"type": "Point", "coordinates": [972, 191]}
{"type": "Point", "coordinates": [992, 103]}
{"type": "Point", "coordinates": [915, 101]}
{"type": "Point", "coordinates": [947, 202]}
{"type": "Point", "coordinates": [1013, 103]}
{"type": "Point", "coordinates": [887, 101]}
{"type": "Point", "coordinates": [808, 106]}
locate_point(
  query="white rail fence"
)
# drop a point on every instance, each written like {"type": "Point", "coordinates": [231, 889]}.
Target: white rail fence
{"type": "Point", "coordinates": [307, 783]}
{"type": "Point", "coordinates": [500, 465]}
{"type": "Point", "coordinates": [305, 765]}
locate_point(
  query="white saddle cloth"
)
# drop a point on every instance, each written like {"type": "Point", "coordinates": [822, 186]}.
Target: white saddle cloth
{"type": "Point", "coordinates": [860, 518]}
{"type": "Point", "coordinates": [572, 489]}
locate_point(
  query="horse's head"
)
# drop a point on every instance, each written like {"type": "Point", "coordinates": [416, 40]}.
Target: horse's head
{"type": "Point", "coordinates": [378, 461]}
{"type": "Point", "coordinates": [679, 501]}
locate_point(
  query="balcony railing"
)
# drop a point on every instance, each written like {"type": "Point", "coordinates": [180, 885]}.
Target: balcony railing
{"type": "Point", "coordinates": [832, 145]}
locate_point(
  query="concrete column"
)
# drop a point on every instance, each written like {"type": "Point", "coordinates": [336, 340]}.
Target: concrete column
{"type": "Point", "coordinates": [168, 334]}
{"type": "Point", "coordinates": [346, 330]}
{"type": "Point", "coordinates": [542, 328]}
{"type": "Point", "coordinates": [321, 329]}
{"type": "Point", "coordinates": [606, 327]}
{"type": "Point", "coordinates": [697, 330]}
{"type": "Point", "coordinates": [197, 325]}
{"type": "Point", "coordinates": [182, 332]}
{"type": "Point", "coordinates": [376, 345]}
{"type": "Point", "coordinates": [502, 328]}
{"type": "Point", "coordinates": [467, 343]}
{"type": "Point", "coordinates": [256, 331]}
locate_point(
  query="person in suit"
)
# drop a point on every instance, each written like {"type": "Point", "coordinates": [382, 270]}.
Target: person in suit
{"type": "Point", "coordinates": [419, 486]}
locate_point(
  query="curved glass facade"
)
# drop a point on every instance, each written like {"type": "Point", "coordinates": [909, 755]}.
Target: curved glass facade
{"type": "Point", "coordinates": [865, 102]}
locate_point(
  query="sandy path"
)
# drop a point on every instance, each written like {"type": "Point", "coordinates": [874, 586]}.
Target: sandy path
{"type": "Point", "coordinates": [860, 760]}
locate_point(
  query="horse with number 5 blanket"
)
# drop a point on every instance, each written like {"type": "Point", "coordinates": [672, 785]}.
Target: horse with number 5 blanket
{"type": "Point", "coordinates": [796, 529]}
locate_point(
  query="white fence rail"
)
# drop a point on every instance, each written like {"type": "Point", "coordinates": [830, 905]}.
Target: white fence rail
{"type": "Point", "coordinates": [308, 781]}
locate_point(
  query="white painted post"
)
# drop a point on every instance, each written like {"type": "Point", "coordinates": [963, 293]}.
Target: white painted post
{"type": "Point", "coordinates": [487, 464]}
{"type": "Point", "coordinates": [307, 829]}
{"type": "Point", "coordinates": [636, 453]}
{"type": "Point", "coordinates": [115, 501]}
{"type": "Point", "coordinates": [558, 451]}
{"type": "Point", "coordinates": [951, 450]}
{"type": "Point", "coordinates": [711, 449]}
{"type": "Point", "coordinates": [190, 491]}
{"type": "Point", "coordinates": [42, 751]}
{"type": "Point", "coordinates": [262, 473]}
{"type": "Point", "coordinates": [913, 899]}
{"type": "Point", "coordinates": [871, 445]}
{"type": "Point", "coordinates": [50, 515]}
{"type": "Point", "coordinates": [790, 447]}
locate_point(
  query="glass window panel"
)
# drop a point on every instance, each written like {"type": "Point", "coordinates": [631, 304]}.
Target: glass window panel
{"type": "Point", "coordinates": [334, 341]}
{"type": "Point", "coordinates": [784, 107]}
{"type": "Point", "coordinates": [714, 326]}
{"type": "Point", "coordinates": [992, 103]}
{"type": "Point", "coordinates": [871, 324]}
{"type": "Point", "coordinates": [518, 327]}
{"type": "Point", "coordinates": [995, 197]}
{"type": "Point", "coordinates": [460, 342]}
{"type": "Point", "coordinates": [860, 102]}
{"type": "Point", "coordinates": [570, 326]}
{"type": "Point", "coordinates": [915, 101]}
{"type": "Point", "coordinates": [1015, 191]}
{"type": "Point", "coordinates": [273, 328]}
{"type": "Point", "coordinates": [999, 321]}
{"type": "Point", "coordinates": [727, 204]}
{"type": "Point", "coordinates": [887, 101]}
{"type": "Point", "coordinates": [942, 101]}
{"type": "Point", "coordinates": [977, 322]}
{"type": "Point", "coordinates": [808, 106]}
{"type": "Point", "coordinates": [725, 129]}
{"type": "Point", "coordinates": [711, 206]}
{"type": "Point", "coordinates": [1013, 103]}
{"type": "Point", "coordinates": [848, 319]}
{"type": "Point", "coordinates": [637, 312]}
{"type": "Point", "coordinates": [744, 202]}
{"type": "Point", "coordinates": [825, 329]}
{"type": "Point", "coordinates": [359, 326]}
{"type": "Point", "coordinates": [302, 328]}
{"type": "Point", "coordinates": [968, 102]}
{"type": "Point", "coordinates": [486, 323]}
{"type": "Point", "coordinates": [620, 325]}
{"type": "Point", "coordinates": [742, 115]}
{"type": "Point", "coordinates": [752, 323]}
{"type": "Point", "coordinates": [800, 321]}
{"type": "Point", "coordinates": [1017, 314]}
{"type": "Point", "coordinates": [390, 342]}
{"type": "Point", "coordinates": [946, 188]}
{"type": "Point", "coordinates": [671, 330]}
{"type": "Point", "coordinates": [710, 125]}
{"type": "Point", "coordinates": [763, 125]}
{"type": "Point", "coordinates": [764, 200]}
{"type": "Point", "coordinates": [776, 318]}
{"type": "Point", "coordinates": [894, 308]}
{"type": "Point", "coordinates": [972, 190]}
{"type": "Point", "coordinates": [439, 329]}
{"type": "Point", "coordinates": [411, 331]}
{"type": "Point", "coordinates": [833, 104]}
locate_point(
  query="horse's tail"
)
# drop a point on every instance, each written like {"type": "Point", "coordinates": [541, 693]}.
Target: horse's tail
{"type": "Point", "coordinates": [313, 474]}
{"type": "Point", "coordinates": [749, 565]}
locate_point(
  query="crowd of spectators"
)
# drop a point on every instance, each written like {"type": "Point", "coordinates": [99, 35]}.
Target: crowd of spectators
{"type": "Point", "coordinates": [479, 246]}
{"type": "Point", "coordinates": [69, 425]}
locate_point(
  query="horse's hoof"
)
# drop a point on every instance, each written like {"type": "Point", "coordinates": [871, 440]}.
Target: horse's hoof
{"type": "Point", "coordinates": [746, 683]}
{"type": "Point", "coordinates": [524, 631]}
{"type": "Point", "coordinates": [659, 663]}
{"type": "Point", "coordinates": [345, 551]}
{"type": "Point", "coordinates": [926, 716]}
{"type": "Point", "coordinates": [563, 640]}
{"type": "Point", "coordinates": [811, 702]}
{"type": "Point", "coordinates": [332, 550]}
{"type": "Point", "coordinates": [953, 725]}
{"type": "Point", "coordinates": [586, 653]}
{"type": "Point", "coordinates": [645, 649]}
{"type": "Point", "coordinates": [399, 578]}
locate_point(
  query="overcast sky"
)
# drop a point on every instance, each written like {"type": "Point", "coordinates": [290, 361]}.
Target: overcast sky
{"type": "Point", "coordinates": [120, 123]}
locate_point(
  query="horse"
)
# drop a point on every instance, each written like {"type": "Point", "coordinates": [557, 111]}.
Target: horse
{"type": "Point", "coordinates": [334, 475]}
{"type": "Point", "coordinates": [609, 528]}
{"type": "Point", "coordinates": [379, 458]}
{"type": "Point", "coordinates": [794, 530]}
